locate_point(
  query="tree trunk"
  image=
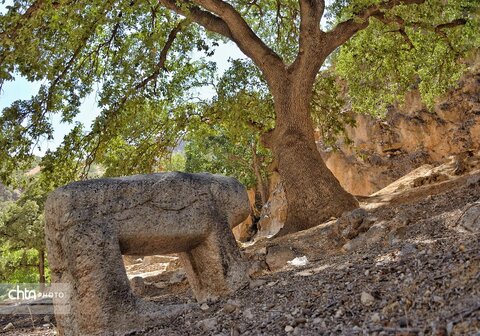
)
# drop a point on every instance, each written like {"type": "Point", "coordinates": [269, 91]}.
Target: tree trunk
{"type": "Point", "coordinates": [313, 192]}
{"type": "Point", "coordinates": [41, 268]}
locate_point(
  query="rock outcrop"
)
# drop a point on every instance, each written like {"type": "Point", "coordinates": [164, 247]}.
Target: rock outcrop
{"type": "Point", "coordinates": [90, 224]}
{"type": "Point", "coordinates": [409, 136]}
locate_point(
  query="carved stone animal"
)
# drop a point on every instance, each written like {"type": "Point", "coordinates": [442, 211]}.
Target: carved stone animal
{"type": "Point", "coordinates": [91, 224]}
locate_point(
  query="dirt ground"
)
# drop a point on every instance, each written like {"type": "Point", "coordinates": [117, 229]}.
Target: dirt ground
{"type": "Point", "coordinates": [419, 276]}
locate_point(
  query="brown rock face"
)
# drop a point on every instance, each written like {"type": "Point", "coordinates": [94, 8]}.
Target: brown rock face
{"type": "Point", "coordinates": [90, 224]}
{"type": "Point", "coordinates": [410, 136]}
{"type": "Point", "coordinates": [243, 231]}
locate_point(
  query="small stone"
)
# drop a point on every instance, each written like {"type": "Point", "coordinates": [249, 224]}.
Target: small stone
{"type": "Point", "coordinates": [46, 319]}
{"type": "Point", "coordinates": [278, 256]}
{"type": "Point", "coordinates": [207, 324]}
{"type": "Point", "coordinates": [367, 299]}
{"type": "Point", "coordinates": [367, 272]}
{"type": "Point", "coordinates": [317, 320]}
{"type": "Point", "coordinates": [375, 317]}
{"type": "Point", "coordinates": [247, 313]}
{"type": "Point", "coordinates": [262, 250]}
{"type": "Point", "coordinates": [288, 328]}
{"type": "Point", "coordinates": [391, 308]}
{"type": "Point", "coordinates": [234, 331]}
{"type": "Point", "coordinates": [300, 320]}
{"type": "Point", "coordinates": [229, 308]}
{"type": "Point", "coordinates": [297, 331]}
{"type": "Point", "coordinates": [177, 277]}
{"type": "Point", "coordinates": [408, 249]}
{"type": "Point", "coordinates": [138, 285]}
{"type": "Point", "coordinates": [8, 327]}
{"type": "Point", "coordinates": [257, 283]}
{"type": "Point", "coordinates": [339, 313]}
{"type": "Point", "coordinates": [270, 306]}
{"type": "Point", "coordinates": [204, 307]}
{"type": "Point", "coordinates": [470, 219]}
{"type": "Point", "coordinates": [449, 327]}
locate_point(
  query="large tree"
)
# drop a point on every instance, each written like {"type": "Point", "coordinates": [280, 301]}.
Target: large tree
{"type": "Point", "coordinates": [137, 50]}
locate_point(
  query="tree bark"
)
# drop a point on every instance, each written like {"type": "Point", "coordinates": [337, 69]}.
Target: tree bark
{"type": "Point", "coordinates": [313, 192]}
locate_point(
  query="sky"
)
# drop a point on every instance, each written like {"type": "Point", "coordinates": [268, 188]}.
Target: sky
{"type": "Point", "coordinates": [20, 88]}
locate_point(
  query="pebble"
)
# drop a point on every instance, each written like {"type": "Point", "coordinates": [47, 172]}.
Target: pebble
{"type": "Point", "coordinates": [9, 326]}
{"type": "Point", "coordinates": [449, 328]}
{"type": "Point", "coordinates": [257, 283]}
{"type": "Point", "coordinates": [207, 324]}
{"type": "Point", "coordinates": [247, 313]}
{"type": "Point", "coordinates": [367, 299]}
{"type": "Point", "coordinates": [300, 320]}
{"type": "Point", "coordinates": [288, 328]}
{"type": "Point", "coordinates": [402, 322]}
{"type": "Point", "coordinates": [229, 308]}
{"type": "Point", "coordinates": [391, 308]}
{"type": "Point", "coordinates": [204, 306]}
{"type": "Point", "coordinates": [375, 317]}
{"type": "Point", "coordinates": [297, 331]}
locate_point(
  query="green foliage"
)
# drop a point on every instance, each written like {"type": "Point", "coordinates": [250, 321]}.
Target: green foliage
{"type": "Point", "coordinates": [18, 265]}
{"type": "Point", "coordinates": [328, 109]}
{"type": "Point", "coordinates": [383, 62]}
{"type": "Point", "coordinates": [224, 136]}
{"type": "Point", "coordinates": [139, 59]}
{"type": "Point", "coordinates": [175, 162]}
{"type": "Point", "coordinates": [114, 47]}
{"type": "Point", "coordinates": [22, 231]}
{"type": "Point", "coordinates": [220, 154]}
{"type": "Point", "coordinates": [21, 223]}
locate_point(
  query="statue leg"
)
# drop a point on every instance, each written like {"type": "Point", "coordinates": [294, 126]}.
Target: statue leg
{"type": "Point", "coordinates": [94, 268]}
{"type": "Point", "coordinates": [215, 267]}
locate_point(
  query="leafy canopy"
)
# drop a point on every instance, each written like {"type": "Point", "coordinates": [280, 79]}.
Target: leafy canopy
{"type": "Point", "coordinates": [141, 59]}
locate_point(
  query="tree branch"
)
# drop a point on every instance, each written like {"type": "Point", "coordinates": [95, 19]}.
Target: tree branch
{"type": "Point", "coordinates": [246, 39]}
{"type": "Point", "coordinates": [438, 29]}
{"type": "Point", "coordinates": [205, 19]}
{"type": "Point", "coordinates": [31, 11]}
{"type": "Point", "coordinates": [345, 30]}
{"type": "Point", "coordinates": [311, 12]}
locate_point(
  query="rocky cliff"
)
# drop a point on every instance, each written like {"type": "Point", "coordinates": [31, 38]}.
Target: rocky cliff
{"type": "Point", "coordinates": [409, 136]}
